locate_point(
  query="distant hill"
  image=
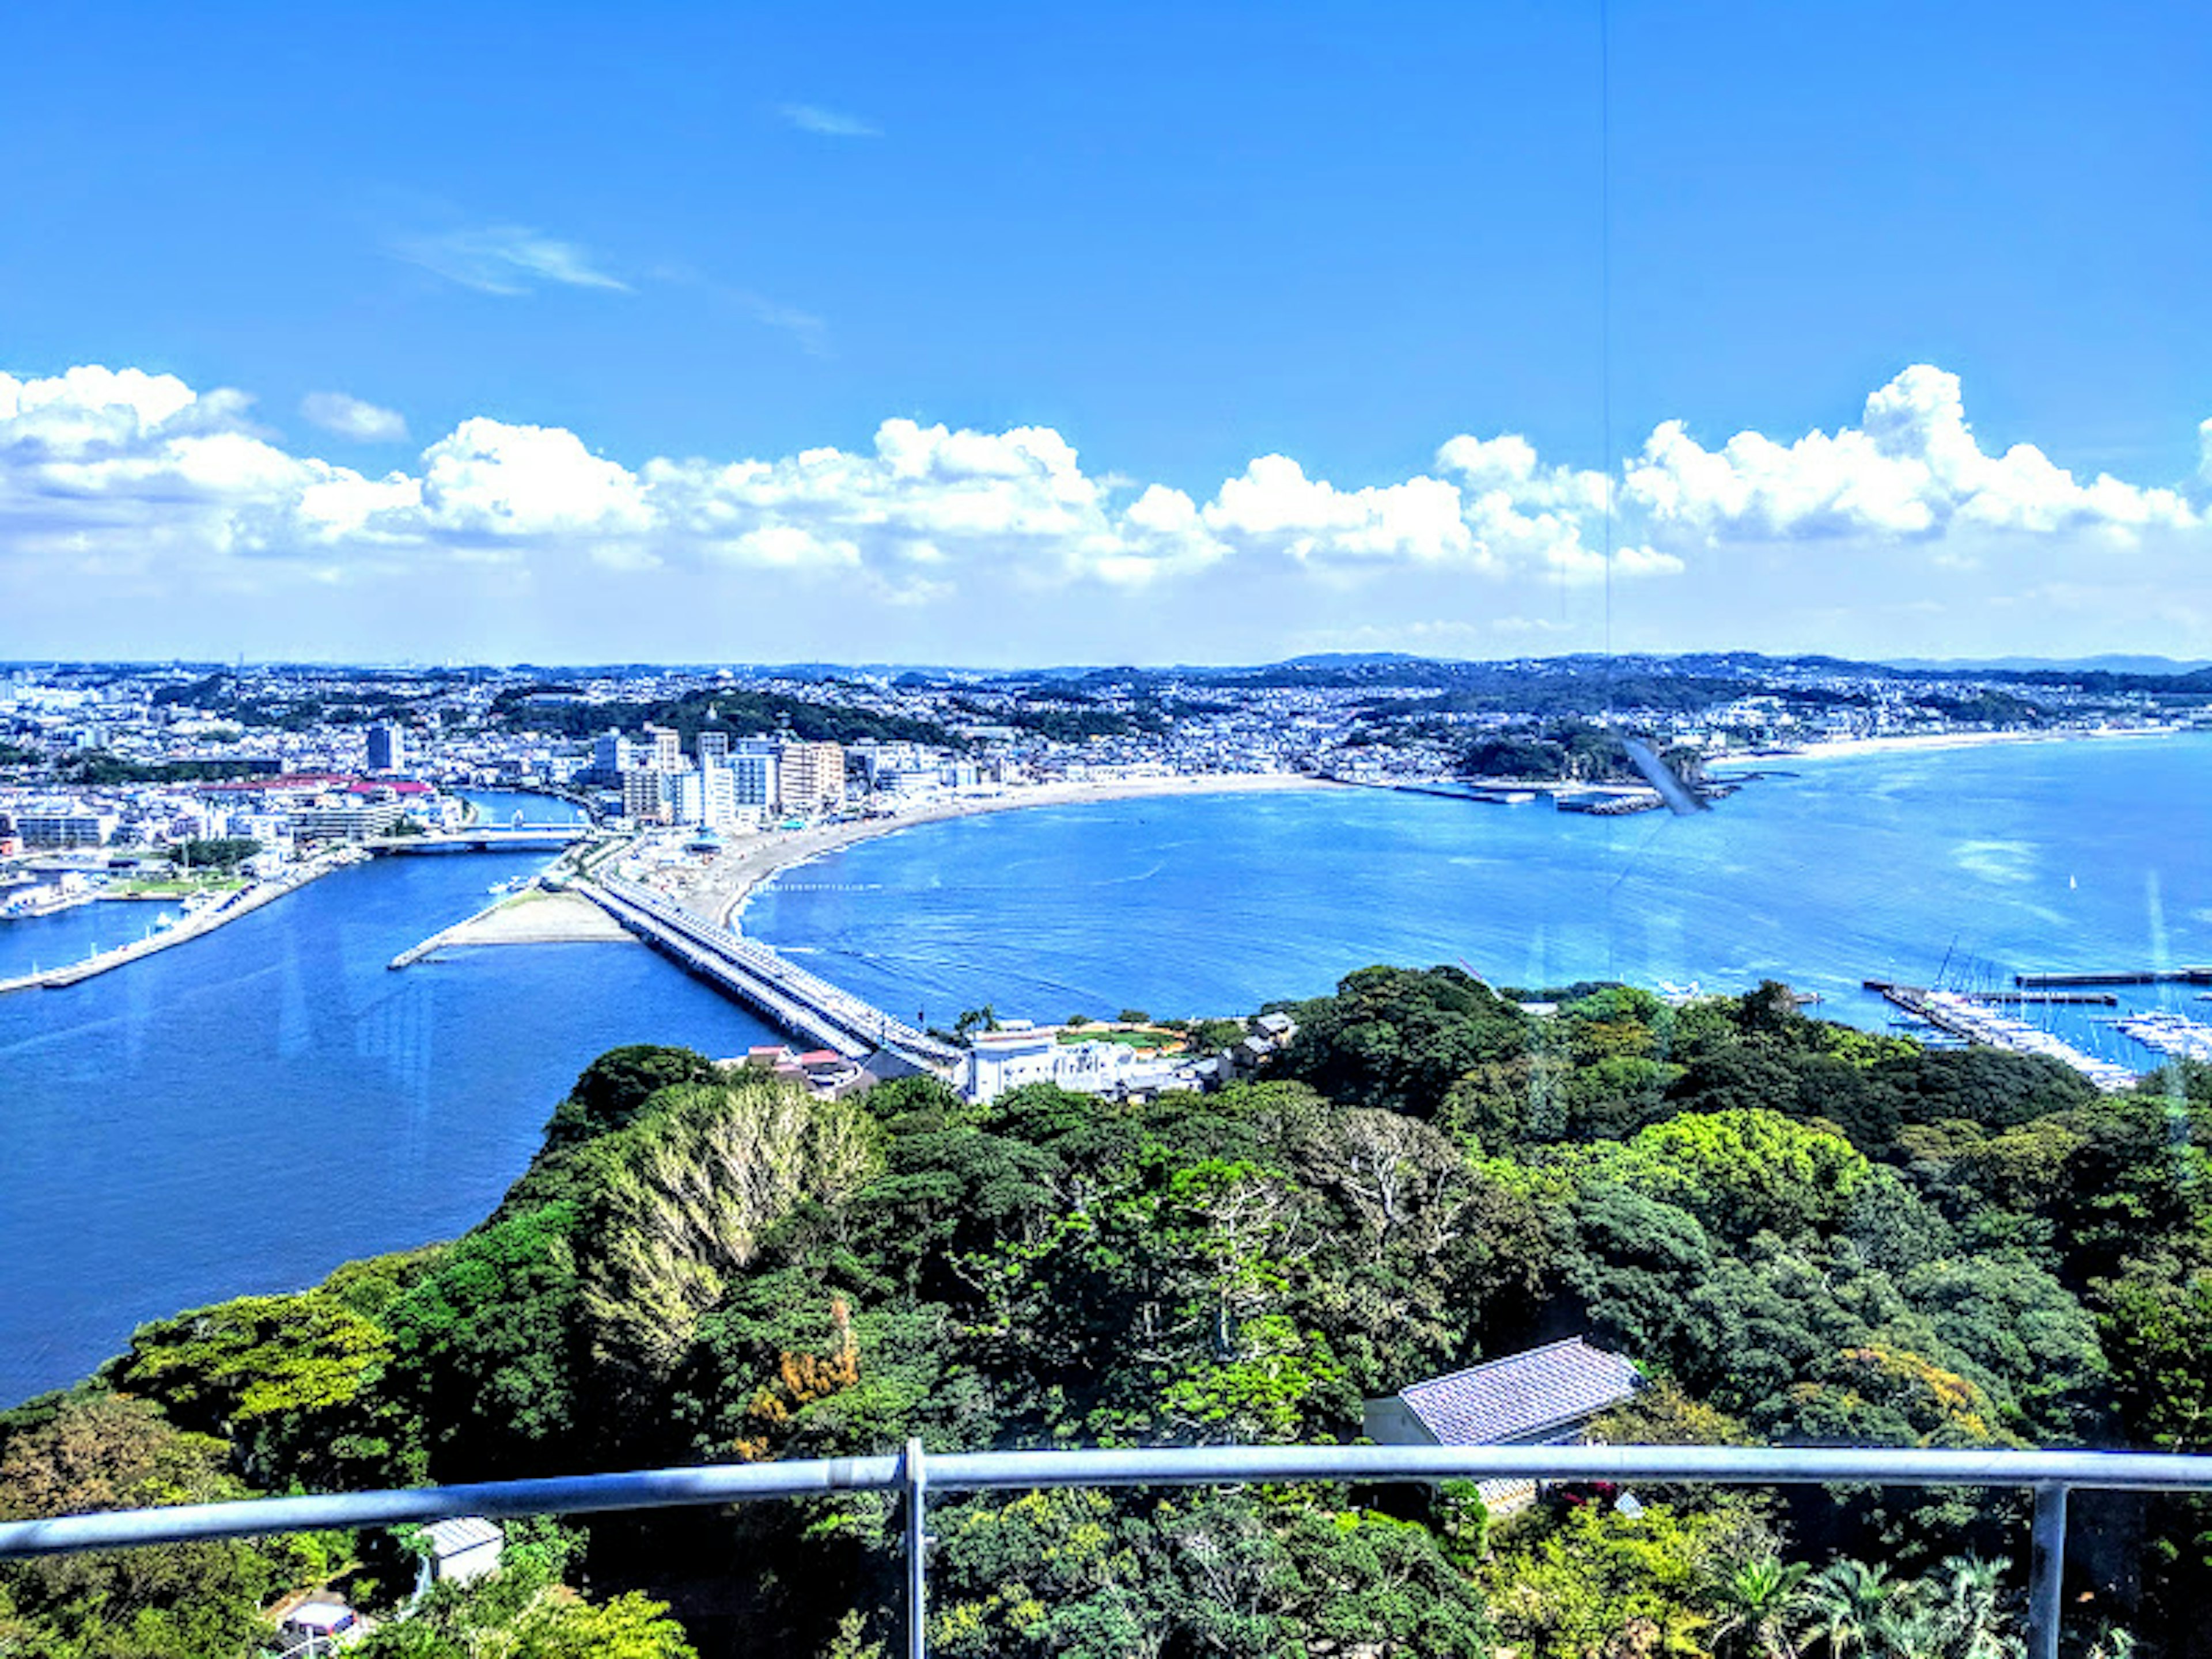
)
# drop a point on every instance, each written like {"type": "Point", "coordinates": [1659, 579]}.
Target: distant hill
{"type": "Point", "coordinates": [2110, 664]}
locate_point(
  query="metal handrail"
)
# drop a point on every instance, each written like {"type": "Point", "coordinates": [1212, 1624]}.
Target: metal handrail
{"type": "Point", "coordinates": [2049, 1475]}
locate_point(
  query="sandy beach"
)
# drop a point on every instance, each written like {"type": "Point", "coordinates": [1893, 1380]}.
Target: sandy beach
{"type": "Point", "coordinates": [721, 889]}
{"type": "Point", "coordinates": [1843, 747]}
{"type": "Point", "coordinates": [537, 918]}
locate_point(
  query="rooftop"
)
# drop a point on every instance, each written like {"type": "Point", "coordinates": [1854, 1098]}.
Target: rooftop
{"type": "Point", "coordinates": [1523, 1394]}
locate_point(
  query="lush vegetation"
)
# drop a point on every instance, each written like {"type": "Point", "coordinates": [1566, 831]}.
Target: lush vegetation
{"type": "Point", "coordinates": [224, 853]}
{"type": "Point", "coordinates": [99, 768]}
{"type": "Point", "coordinates": [1802, 1233]}
{"type": "Point", "coordinates": [1563, 751]}
{"type": "Point", "coordinates": [529, 709]}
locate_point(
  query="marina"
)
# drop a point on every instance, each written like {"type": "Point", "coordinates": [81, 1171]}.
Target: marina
{"type": "Point", "coordinates": [2174, 1035]}
{"type": "Point", "coordinates": [1972, 1019]}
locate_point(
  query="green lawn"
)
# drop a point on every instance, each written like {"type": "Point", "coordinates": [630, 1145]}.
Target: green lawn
{"type": "Point", "coordinates": [1132, 1039]}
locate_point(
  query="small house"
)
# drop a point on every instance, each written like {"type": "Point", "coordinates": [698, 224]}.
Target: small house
{"type": "Point", "coordinates": [318, 1626]}
{"type": "Point", "coordinates": [459, 1550]}
{"type": "Point", "coordinates": [1547, 1396]}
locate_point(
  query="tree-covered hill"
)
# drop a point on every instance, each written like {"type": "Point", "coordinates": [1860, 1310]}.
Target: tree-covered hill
{"type": "Point", "coordinates": [1802, 1233]}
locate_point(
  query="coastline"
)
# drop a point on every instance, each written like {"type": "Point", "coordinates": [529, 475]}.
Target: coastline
{"type": "Point", "coordinates": [722, 891]}
{"type": "Point", "coordinates": [243, 902]}
{"type": "Point", "coordinates": [530, 917]}
{"type": "Point", "coordinates": [1845, 748]}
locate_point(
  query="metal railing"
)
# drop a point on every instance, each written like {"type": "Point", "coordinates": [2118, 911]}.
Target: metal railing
{"type": "Point", "coordinates": [2048, 1475]}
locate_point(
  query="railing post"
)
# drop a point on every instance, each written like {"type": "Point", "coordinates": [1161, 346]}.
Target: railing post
{"type": "Point", "coordinates": [2046, 1570]}
{"type": "Point", "coordinates": [915, 1477]}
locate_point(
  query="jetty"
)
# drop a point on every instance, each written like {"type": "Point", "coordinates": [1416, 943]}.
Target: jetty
{"type": "Point", "coordinates": [1972, 1019]}
{"type": "Point", "coordinates": [751, 973]}
{"type": "Point", "coordinates": [244, 901]}
{"type": "Point", "coordinates": [2139, 977]}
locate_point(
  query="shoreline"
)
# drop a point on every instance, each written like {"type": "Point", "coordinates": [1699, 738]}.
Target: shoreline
{"type": "Point", "coordinates": [740, 871]}
{"type": "Point", "coordinates": [1845, 748]}
{"type": "Point", "coordinates": [532, 916]}
{"type": "Point", "coordinates": [244, 902]}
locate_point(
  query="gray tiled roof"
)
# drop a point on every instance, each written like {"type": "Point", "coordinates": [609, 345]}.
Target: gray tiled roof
{"type": "Point", "coordinates": [1521, 1395]}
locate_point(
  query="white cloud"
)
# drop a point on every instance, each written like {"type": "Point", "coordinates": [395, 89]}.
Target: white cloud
{"type": "Point", "coordinates": [1911, 470]}
{"type": "Point", "coordinates": [829, 123]}
{"type": "Point", "coordinates": [350, 418]}
{"type": "Point", "coordinates": [506, 259]}
{"type": "Point", "coordinates": [493, 484]}
{"type": "Point", "coordinates": [120, 483]}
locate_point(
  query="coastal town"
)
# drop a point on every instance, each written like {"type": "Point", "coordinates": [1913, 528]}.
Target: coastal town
{"type": "Point", "coordinates": [131, 757]}
{"type": "Point", "coordinates": [678, 793]}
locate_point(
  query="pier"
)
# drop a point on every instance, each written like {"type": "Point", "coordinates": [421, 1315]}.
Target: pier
{"type": "Point", "coordinates": [747, 971]}
{"type": "Point", "coordinates": [1972, 1019]}
{"type": "Point", "coordinates": [2144, 976]}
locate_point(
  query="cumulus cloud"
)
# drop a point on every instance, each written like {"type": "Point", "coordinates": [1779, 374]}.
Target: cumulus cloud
{"type": "Point", "coordinates": [829, 123]}
{"type": "Point", "coordinates": [139, 478]}
{"type": "Point", "coordinates": [350, 418]}
{"type": "Point", "coordinates": [506, 259]}
{"type": "Point", "coordinates": [1912, 469]}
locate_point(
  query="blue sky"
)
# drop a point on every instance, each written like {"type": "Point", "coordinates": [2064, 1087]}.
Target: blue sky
{"type": "Point", "coordinates": [559, 331]}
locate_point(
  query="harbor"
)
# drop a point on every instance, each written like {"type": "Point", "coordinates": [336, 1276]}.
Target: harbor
{"type": "Point", "coordinates": [196, 924]}
{"type": "Point", "coordinates": [1973, 1020]}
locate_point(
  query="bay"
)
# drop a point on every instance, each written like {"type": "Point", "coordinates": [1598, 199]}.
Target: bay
{"type": "Point", "coordinates": [245, 1112]}
{"type": "Point", "coordinates": [1970, 864]}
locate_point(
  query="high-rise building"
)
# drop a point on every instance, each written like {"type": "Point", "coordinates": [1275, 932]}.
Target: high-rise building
{"type": "Point", "coordinates": [387, 749]}
{"type": "Point", "coordinates": [645, 799]}
{"type": "Point", "coordinates": [713, 747]}
{"type": "Point", "coordinates": [667, 748]}
{"type": "Point", "coordinates": [811, 775]}
{"type": "Point", "coordinates": [613, 753]}
{"type": "Point", "coordinates": [753, 782]}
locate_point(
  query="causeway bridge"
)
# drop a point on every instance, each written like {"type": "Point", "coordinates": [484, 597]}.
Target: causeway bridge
{"type": "Point", "coordinates": [803, 1004]}
{"type": "Point", "coordinates": [487, 839]}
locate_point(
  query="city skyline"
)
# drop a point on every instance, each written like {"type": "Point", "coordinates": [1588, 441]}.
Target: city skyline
{"type": "Point", "coordinates": [1244, 345]}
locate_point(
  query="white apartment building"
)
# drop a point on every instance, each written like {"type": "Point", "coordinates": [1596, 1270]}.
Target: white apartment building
{"type": "Point", "coordinates": [65, 826]}
{"type": "Point", "coordinates": [1000, 1060]}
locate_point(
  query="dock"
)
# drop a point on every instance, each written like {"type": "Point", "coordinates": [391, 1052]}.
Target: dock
{"type": "Point", "coordinates": [2143, 976]}
{"type": "Point", "coordinates": [751, 973]}
{"type": "Point", "coordinates": [1973, 1020]}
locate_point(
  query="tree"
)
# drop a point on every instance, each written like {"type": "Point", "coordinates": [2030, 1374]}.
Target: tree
{"type": "Point", "coordinates": [486, 1348]}
{"type": "Point", "coordinates": [292, 1379]}
{"type": "Point", "coordinates": [1742, 1172]}
{"type": "Point", "coordinates": [1844, 1602]}
{"type": "Point", "coordinates": [1762, 1606]}
{"type": "Point", "coordinates": [223, 854]}
{"type": "Point", "coordinates": [615, 1088]}
{"type": "Point", "coordinates": [2157, 1327]}
{"type": "Point", "coordinates": [688, 1192]}
{"type": "Point", "coordinates": [97, 1451]}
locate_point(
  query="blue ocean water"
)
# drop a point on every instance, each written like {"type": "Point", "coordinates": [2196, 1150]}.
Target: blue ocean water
{"type": "Point", "coordinates": [1971, 863]}
{"type": "Point", "coordinates": [245, 1112]}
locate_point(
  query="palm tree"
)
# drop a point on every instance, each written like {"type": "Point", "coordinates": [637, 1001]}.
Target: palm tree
{"type": "Point", "coordinates": [1845, 1598]}
{"type": "Point", "coordinates": [1970, 1600]}
{"type": "Point", "coordinates": [1908, 1628]}
{"type": "Point", "coordinates": [1762, 1600]}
